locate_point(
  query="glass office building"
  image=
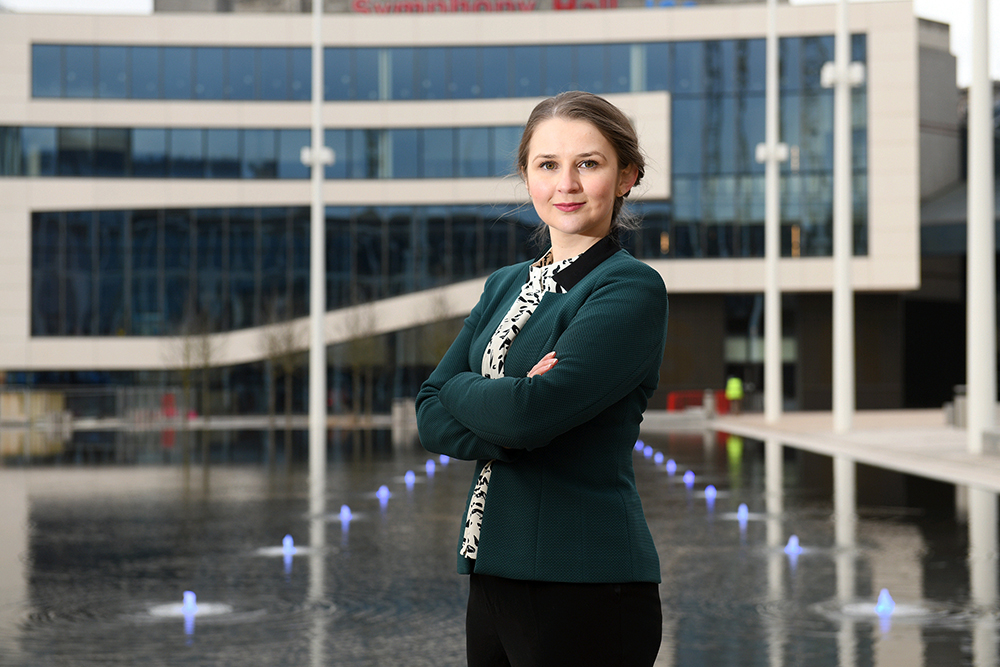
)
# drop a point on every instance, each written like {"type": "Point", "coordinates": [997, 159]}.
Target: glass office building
{"type": "Point", "coordinates": [151, 169]}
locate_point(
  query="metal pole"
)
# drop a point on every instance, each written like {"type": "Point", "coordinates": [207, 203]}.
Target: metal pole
{"type": "Point", "coordinates": [317, 266]}
{"type": "Point", "coordinates": [773, 153]}
{"type": "Point", "coordinates": [981, 356]}
{"type": "Point", "coordinates": [843, 237]}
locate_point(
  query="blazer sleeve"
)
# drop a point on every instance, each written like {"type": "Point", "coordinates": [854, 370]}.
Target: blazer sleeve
{"type": "Point", "coordinates": [608, 350]}
{"type": "Point", "coordinates": [440, 432]}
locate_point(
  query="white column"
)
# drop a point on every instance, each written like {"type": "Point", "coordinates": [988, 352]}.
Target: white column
{"type": "Point", "coordinates": [771, 153]}
{"type": "Point", "coordinates": [842, 75]}
{"type": "Point", "coordinates": [316, 156]}
{"type": "Point", "coordinates": [981, 356]}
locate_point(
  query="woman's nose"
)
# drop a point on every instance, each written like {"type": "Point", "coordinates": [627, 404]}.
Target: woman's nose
{"type": "Point", "coordinates": [569, 181]}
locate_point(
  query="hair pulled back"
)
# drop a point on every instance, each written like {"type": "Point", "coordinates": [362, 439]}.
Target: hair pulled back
{"type": "Point", "coordinates": [611, 122]}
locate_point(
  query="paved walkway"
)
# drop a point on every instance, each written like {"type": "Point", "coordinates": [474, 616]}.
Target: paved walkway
{"type": "Point", "coordinates": [916, 442]}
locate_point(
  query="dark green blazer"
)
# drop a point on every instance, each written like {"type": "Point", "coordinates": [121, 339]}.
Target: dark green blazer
{"type": "Point", "coordinates": [562, 503]}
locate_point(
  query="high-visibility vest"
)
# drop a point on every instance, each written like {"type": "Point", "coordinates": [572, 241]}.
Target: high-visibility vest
{"type": "Point", "coordinates": [734, 389]}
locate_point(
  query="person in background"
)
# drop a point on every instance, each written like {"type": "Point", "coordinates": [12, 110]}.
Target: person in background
{"type": "Point", "coordinates": [734, 394]}
{"type": "Point", "coordinates": [544, 388]}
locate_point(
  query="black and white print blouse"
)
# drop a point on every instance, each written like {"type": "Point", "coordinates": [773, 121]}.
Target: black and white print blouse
{"type": "Point", "coordinates": [543, 276]}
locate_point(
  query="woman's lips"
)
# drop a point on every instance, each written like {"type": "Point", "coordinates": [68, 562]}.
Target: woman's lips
{"type": "Point", "coordinates": [566, 208]}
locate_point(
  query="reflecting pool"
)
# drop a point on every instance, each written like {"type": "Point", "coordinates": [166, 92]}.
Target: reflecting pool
{"type": "Point", "coordinates": [95, 560]}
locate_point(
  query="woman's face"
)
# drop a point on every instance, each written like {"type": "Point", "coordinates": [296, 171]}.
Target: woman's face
{"type": "Point", "coordinates": [573, 178]}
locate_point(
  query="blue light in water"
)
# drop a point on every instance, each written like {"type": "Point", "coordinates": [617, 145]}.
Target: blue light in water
{"type": "Point", "coordinates": [671, 466]}
{"type": "Point", "coordinates": [288, 545]}
{"type": "Point", "coordinates": [658, 458]}
{"type": "Point", "coordinates": [409, 478]}
{"type": "Point", "coordinates": [430, 467]}
{"type": "Point", "coordinates": [886, 605]}
{"type": "Point", "coordinates": [689, 479]}
{"type": "Point", "coordinates": [345, 514]}
{"type": "Point", "coordinates": [639, 445]}
{"type": "Point", "coordinates": [742, 514]}
{"type": "Point", "coordinates": [647, 451]}
{"type": "Point", "coordinates": [383, 494]}
{"type": "Point", "coordinates": [793, 548]}
{"type": "Point", "coordinates": [189, 608]}
{"type": "Point", "coordinates": [444, 459]}
{"type": "Point", "coordinates": [710, 493]}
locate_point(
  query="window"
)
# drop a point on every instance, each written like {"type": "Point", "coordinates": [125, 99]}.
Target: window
{"type": "Point", "coordinates": [222, 153]}
{"type": "Point", "coordinates": [76, 151]}
{"type": "Point", "coordinates": [290, 153]}
{"type": "Point", "coordinates": [187, 153]}
{"type": "Point", "coordinates": [496, 75]}
{"type": "Point", "coordinates": [243, 76]}
{"type": "Point", "coordinates": [259, 154]}
{"type": "Point", "coordinates": [438, 153]}
{"type": "Point", "coordinates": [79, 71]}
{"type": "Point", "coordinates": [145, 73]}
{"type": "Point", "coordinates": [209, 73]}
{"type": "Point", "coordinates": [432, 73]}
{"type": "Point", "coordinates": [560, 69]}
{"type": "Point", "coordinates": [46, 70]}
{"type": "Point", "coordinates": [149, 153]}
{"type": "Point", "coordinates": [111, 153]}
{"type": "Point", "coordinates": [689, 67]}
{"type": "Point", "coordinates": [301, 82]}
{"type": "Point", "coordinates": [337, 74]}
{"type": "Point", "coordinates": [404, 154]}
{"type": "Point", "coordinates": [473, 152]}
{"type": "Point", "coordinates": [112, 71]}
{"type": "Point", "coordinates": [38, 146]}
{"type": "Point", "coordinates": [274, 71]}
{"type": "Point", "coordinates": [177, 72]}
{"type": "Point", "coordinates": [527, 71]}
{"type": "Point", "coordinates": [402, 73]}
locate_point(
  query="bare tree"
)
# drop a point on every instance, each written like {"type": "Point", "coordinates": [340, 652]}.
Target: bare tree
{"type": "Point", "coordinates": [282, 342]}
{"type": "Point", "coordinates": [194, 351]}
{"type": "Point", "coordinates": [365, 352]}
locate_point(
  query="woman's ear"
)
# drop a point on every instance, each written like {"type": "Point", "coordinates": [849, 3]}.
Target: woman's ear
{"type": "Point", "coordinates": [627, 179]}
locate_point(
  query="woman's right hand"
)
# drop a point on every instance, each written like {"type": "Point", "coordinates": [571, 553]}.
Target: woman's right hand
{"type": "Point", "coordinates": [544, 365]}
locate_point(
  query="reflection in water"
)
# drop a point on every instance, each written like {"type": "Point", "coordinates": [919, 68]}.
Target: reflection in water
{"type": "Point", "coordinates": [85, 552]}
{"type": "Point", "coordinates": [845, 534]}
{"type": "Point", "coordinates": [317, 550]}
{"type": "Point", "coordinates": [983, 575]}
{"type": "Point", "coordinates": [775, 498]}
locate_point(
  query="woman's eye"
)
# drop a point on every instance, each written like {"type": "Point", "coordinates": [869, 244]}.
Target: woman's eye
{"type": "Point", "coordinates": [547, 165]}
{"type": "Point", "coordinates": [588, 164]}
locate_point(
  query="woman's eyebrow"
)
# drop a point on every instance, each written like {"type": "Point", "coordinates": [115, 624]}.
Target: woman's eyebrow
{"type": "Point", "coordinates": [549, 156]}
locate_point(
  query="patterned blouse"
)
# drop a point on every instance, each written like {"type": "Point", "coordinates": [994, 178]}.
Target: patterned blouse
{"type": "Point", "coordinates": [542, 277]}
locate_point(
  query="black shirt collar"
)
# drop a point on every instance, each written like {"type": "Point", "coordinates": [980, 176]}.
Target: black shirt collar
{"type": "Point", "coordinates": [587, 262]}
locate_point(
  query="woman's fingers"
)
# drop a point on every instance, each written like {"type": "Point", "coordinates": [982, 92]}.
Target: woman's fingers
{"type": "Point", "coordinates": [543, 365]}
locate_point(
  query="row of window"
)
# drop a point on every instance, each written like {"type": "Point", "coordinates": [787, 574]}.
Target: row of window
{"type": "Point", "coordinates": [157, 272]}
{"type": "Point", "coordinates": [711, 135]}
{"type": "Point", "coordinates": [467, 152]}
{"type": "Point", "coordinates": [172, 271]}
{"type": "Point", "coordinates": [422, 73]}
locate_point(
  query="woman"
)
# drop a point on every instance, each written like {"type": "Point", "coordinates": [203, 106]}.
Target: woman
{"type": "Point", "coordinates": [545, 388]}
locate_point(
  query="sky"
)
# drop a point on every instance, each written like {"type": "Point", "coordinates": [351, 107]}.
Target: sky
{"type": "Point", "coordinates": [957, 13]}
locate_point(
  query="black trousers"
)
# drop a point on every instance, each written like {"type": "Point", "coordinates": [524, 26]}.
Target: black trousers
{"type": "Point", "coordinates": [513, 623]}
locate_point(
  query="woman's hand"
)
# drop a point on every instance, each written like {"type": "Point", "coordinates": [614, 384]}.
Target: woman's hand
{"type": "Point", "coordinates": [543, 365]}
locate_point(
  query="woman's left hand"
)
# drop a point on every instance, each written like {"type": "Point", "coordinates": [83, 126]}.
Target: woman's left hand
{"type": "Point", "coordinates": [544, 365]}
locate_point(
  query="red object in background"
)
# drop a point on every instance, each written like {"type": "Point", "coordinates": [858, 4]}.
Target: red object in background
{"type": "Point", "coordinates": [681, 400]}
{"type": "Point", "coordinates": [169, 405]}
